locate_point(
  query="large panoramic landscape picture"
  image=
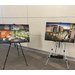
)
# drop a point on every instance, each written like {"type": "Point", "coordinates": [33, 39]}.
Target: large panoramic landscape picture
{"type": "Point", "coordinates": [63, 32]}
{"type": "Point", "coordinates": [14, 33]}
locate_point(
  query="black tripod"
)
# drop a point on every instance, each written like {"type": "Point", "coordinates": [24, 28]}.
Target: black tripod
{"type": "Point", "coordinates": [15, 44]}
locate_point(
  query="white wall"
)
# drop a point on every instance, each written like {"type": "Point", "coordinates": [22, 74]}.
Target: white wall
{"type": "Point", "coordinates": [48, 11]}
{"type": "Point", "coordinates": [0, 14]}
{"type": "Point", "coordinates": [37, 16]}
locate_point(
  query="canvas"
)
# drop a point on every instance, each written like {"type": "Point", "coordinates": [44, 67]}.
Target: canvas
{"type": "Point", "coordinates": [63, 32]}
{"type": "Point", "coordinates": [14, 33]}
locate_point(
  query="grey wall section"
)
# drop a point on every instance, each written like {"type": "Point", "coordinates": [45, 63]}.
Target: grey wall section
{"type": "Point", "coordinates": [37, 16]}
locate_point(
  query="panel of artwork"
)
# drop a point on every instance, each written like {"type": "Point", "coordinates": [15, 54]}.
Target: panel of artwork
{"type": "Point", "coordinates": [63, 32]}
{"type": "Point", "coordinates": [14, 33]}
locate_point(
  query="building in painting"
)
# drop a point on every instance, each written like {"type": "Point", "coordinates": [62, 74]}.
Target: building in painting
{"type": "Point", "coordinates": [54, 29]}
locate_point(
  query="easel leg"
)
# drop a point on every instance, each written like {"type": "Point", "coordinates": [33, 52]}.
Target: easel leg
{"type": "Point", "coordinates": [50, 54]}
{"type": "Point", "coordinates": [17, 49]}
{"type": "Point", "coordinates": [6, 56]}
{"type": "Point", "coordinates": [23, 54]}
{"type": "Point", "coordinates": [65, 56]}
{"type": "Point", "coordinates": [14, 45]}
{"type": "Point", "coordinates": [56, 48]}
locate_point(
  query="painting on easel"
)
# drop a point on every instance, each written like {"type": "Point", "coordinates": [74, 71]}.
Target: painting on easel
{"type": "Point", "coordinates": [63, 32]}
{"type": "Point", "coordinates": [13, 33]}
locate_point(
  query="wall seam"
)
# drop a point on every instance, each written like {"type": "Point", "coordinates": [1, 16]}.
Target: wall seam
{"type": "Point", "coordinates": [2, 15]}
{"type": "Point", "coordinates": [68, 13]}
{"type": "Point", "coordinates": [27, 23]}
{"type": "Point", "coordinates": [27, 14]}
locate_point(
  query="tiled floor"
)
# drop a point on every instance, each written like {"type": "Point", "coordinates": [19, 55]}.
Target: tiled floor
{"type": "Point", "coordinates": [35, 60]}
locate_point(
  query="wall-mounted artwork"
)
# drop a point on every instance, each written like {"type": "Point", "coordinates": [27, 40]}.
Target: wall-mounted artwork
{"type": "Point", "coordinates": [63, 32]}
{"type": "Point", "coordinates": [14, 33]}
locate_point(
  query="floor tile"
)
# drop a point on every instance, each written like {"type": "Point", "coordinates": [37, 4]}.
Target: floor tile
{"type": "Point", "coordinates": [49, 67]}
{"type": "Point", "coordinates": [72, 65]}
{"type": "Point", "coordinates": [22, 67]}
{"type": "Point", "coordinates": [58, 66]}
{"type": "Point", "coordinates": [16, 60]}
{"type": "Point", "coordinates": [37, 63]}
{"type": "Point", "coordinates": [28, 57]}
{"type": "Point", "coordinates": [33, 68]}
{"type": "Point", "coordinates": [0, 67]}
{"type": "Point", "coordinates": [1, 62]}
{"type": "Point", "coordinates": [9, 68]}
{"type": "Point", "coordinates": [34, 55]}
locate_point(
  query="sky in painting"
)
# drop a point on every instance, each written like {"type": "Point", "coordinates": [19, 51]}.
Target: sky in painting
{"type": "Point", "coordinates": [64, 25]}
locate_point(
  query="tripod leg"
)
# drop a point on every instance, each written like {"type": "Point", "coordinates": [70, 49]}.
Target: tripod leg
{"type": "Point", "coordinates": [14, 45]}
{"type": "Point", "coordinates": [23, 54]}
{"type": "Point", "coordinates": [65, 57]}
{"type": "Point", "coordinates": [17, 49]}
{"type": "Point", "coordinates": [48, 57]}
{"type": "Point", "coordinates": [55, 49]}
{"type": "Point", "coordinates": [66, 61]}
{"type": "Point", "coordinates": [50, 54]}
{"type": "Point", "coordinates": [6, 56]}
